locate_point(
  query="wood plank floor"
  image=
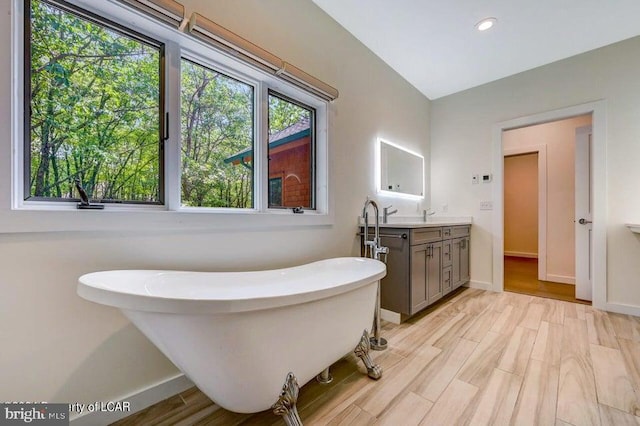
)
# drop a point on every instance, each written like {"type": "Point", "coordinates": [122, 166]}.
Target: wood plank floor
{"type": "Point", "coordinates": [521, 276]}
{"type": "Point", "coordinates": [476, 358]}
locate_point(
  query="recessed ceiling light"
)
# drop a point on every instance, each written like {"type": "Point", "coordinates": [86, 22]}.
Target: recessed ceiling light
{"type": "Point", "coordinates": [485, 24]}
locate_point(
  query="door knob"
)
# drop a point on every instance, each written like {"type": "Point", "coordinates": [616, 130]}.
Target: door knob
{"type": "Point", "coordinates": [584, 221]}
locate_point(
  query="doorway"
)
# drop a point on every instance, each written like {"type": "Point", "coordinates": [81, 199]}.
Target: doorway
{"type": "Point", "coordinates": [598, 261]}
{"type": "Point", "coordinates": [540, 207]}
{"type": "Point", "coordinates": [524, 236]}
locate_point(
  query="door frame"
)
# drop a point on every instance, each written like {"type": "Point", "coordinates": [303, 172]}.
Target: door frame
{"type": "Point", "coordinates": [597, 110]}
{"type": "Point", "coordinates": [541, 150]}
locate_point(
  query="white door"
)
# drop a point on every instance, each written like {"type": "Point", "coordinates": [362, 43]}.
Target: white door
{"type": "Point", "coordinates": [584, 204]}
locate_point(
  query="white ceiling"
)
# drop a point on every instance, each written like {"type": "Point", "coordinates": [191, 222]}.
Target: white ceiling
{"type": "Point", "coordinates": [435, 46]}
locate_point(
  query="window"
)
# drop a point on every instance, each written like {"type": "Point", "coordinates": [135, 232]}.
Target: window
{"type": "Point", "coordinates": [275, 192]}
{"type": "Point", "coordinates": [217, 136]}
{"type": "Point", "coordinates": [93, 108]}
{"type": "Point", "coordinates": [291, 152]}
{"type": "Point", "coordinates": [157, 119]}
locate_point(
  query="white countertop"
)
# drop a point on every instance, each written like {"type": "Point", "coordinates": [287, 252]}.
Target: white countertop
{"type": "Point", "coordinates": [416, 222]}
{"type": "Point", "coordinates": [634, 227]}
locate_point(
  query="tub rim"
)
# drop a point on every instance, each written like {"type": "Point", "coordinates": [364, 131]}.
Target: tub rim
{"type": "Point", "coordinates": [90, 288]}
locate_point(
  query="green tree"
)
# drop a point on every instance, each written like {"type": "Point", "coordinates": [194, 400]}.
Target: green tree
{"type": "Point", "coordinates": [95, 116]}
{"type": "Point", "coordinates": [217, 122]}
{"type": "Point", "coordinates": [283, 114]}
{"type": "Point", "coordinates": [94, 109]}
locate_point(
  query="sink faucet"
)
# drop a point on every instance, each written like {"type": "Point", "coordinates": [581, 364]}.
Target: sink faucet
{"type": "Point", "coordinates": [386, 213]}
{"type": "Point", "coordinates": [427, 212]}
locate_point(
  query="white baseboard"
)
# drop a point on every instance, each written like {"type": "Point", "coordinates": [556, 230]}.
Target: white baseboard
{"type": "Point", "coordinates": [621, 308]}
{"type": "Point", "coordinates": [521, 254]}
{"type": "Point", "coordinates": [392, 317]}
{"type": "Point", "coordinates": [562, 279]}
{"type": "Point", "coordinates": [137, 400]}
{"type": "Point", "coordinates": [482, 285]}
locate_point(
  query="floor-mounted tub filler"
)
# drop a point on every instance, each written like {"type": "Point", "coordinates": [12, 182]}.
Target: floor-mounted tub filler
{"type": "Point", "coordinates": [240, 335]}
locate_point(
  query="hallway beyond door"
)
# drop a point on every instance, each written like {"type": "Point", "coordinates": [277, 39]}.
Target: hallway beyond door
{"type": "Point", "coordinates": [521, 276]}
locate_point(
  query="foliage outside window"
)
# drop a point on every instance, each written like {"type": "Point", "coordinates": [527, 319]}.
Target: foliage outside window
{"type": "Point", "coordinates": [93, 108]}
{"type": "Point", "coordinates": [291, 152]}
{"type": "Point", "coordinates": [95, 112]}
{"type": "Point", "coordinates": [217, 122]}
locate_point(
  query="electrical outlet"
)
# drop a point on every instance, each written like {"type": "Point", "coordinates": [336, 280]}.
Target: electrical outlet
{"type": "Point", "coordinates": [486, 205]}
{"type": "Point", "coordinates": [475, 179]}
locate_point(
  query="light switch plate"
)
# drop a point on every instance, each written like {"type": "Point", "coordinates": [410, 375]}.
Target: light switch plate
{"type": "Point", "coordinates": [486, 205]}
{"type": "Point", "coordinates": [475, 179]}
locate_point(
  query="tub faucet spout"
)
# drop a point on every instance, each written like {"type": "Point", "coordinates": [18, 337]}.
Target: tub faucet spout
{"type": "Point", "coordinates": [375, 248]}
{"type": "Point", "coordinates": [371, 246]}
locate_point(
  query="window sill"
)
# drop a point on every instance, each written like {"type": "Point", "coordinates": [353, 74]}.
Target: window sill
{"type": "Point", "coordinates": [36, 219]}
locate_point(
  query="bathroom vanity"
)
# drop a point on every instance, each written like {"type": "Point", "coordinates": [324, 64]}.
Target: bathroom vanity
{"type": "Point", "coordinates": [426, 261]}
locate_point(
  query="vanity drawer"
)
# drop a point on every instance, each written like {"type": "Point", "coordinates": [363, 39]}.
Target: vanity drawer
{"type": "Point", "coordinates": [447, 280]}
{"type": "Point", "coordinates": [446, 232]}
{"type": "Point", "coordinates": [425, 235]}
{"type": "Point", "coordinates": [446, 253]}
{"type": "Point", "coordinates": [460, 231]}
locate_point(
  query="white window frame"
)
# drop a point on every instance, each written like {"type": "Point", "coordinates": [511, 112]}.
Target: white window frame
{"type": "Point", "coordinates": [19, 215]}
{"type": "Point", "coordinates": [206, 61]}
{"type": "Point", "coordinates": [313, 148]}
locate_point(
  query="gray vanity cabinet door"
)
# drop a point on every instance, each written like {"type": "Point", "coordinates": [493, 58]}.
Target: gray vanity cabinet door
{"type": "Point", "coordinates": [455, 262]}
{"type": "Point", "coordinates": [426, 275]}
{"type": "Point", "coordinates": [460, 261]}
{"type": "Point", "coordinates": [396, 285]}
{"type": "Point", "coordinates": [464, 260]}
{"type": "Point", "coordinates": [434, 272]}
{"type": "Point", "coordinates": [419, 270]}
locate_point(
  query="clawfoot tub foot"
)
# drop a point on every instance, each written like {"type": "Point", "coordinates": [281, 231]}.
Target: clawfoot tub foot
{"type": "Point", "coordinates": [286, 404]}
{"type": "Point", "coordinates": [362, 351]}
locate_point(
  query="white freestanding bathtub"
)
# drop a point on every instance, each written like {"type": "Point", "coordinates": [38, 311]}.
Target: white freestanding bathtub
{"type": "Point", "coordinates": [239, 335]}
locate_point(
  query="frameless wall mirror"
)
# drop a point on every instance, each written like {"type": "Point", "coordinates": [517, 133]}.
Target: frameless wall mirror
{"type": "Point", "coordinates": [400, 172]}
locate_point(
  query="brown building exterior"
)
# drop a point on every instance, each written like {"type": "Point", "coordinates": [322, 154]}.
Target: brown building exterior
{"type": "Point", "coordinates": [290, 172]}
